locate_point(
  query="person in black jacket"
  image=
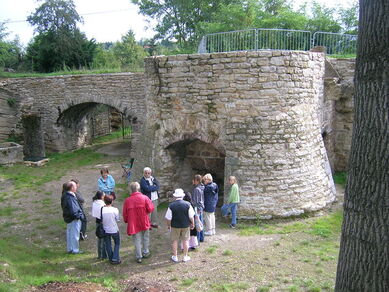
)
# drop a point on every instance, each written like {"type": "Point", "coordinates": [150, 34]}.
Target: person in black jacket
{"type": "Point", "coordinates": [72, 215]}
{"type": "Point", "coordinates": [149, 186]}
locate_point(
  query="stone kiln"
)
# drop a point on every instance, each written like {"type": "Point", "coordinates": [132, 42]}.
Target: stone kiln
{"type": "Point", "coordinates": [257, 112]}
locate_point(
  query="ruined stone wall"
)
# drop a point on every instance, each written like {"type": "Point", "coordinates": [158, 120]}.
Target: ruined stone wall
{"type": "Point", "coordinates": [51, 97]}
{"type": "Point", "coordinates": [343, 97]}
{"type": "Point", "coordinates": [260, 109]}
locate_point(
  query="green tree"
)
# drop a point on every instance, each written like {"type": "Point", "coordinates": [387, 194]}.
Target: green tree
{"type": "Point", "coordinates": [322, 19]}
{"type": "Point", "coordinates": [59, 44]}
{"type": "Point", "coordinates": [128, 52]}
{"type": "Point", "coordinates": [349, 18]}
{"type": "Point", "coordinates": [10, 51]}
{"type": "Point", "coordinates": [178, 19]}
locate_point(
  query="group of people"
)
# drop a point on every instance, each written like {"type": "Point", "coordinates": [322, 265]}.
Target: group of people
{"type": "Point", "coordinates": [189, 217]}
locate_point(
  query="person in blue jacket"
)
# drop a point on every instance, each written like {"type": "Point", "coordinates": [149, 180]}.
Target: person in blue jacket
{"type": "Point", "coordinates": [72, 215]}
{"type": "Point", "coordinates": [106, 183]}
{"type": "Point", "coordinates": [149, 186]}
{"type": "Point", "coordinates": [211, 193]}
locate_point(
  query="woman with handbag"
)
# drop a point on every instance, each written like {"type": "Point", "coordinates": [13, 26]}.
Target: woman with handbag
{"type": "Point", "coordinates": [110, 217]}
{"type": "Point", "coordinates": [98, 203]}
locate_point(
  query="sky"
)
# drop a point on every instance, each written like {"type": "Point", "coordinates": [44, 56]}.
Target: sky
{"type": "Point", "coordinates": [104, 20]}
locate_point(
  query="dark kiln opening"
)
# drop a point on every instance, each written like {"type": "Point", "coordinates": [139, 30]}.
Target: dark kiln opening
{"type": "Point", "coordinates": [192, 157]}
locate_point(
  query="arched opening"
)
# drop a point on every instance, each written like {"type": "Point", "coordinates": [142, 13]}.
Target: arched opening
{"type": "Point", "coordinates": [193, 156]}
{"type": "Point", "coordinates": [81, 124]}
{"type": "Point", "coordinates": [34, 145]}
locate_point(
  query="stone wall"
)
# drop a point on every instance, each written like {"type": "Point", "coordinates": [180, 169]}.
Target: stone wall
{"type": "Point", "coordinates": [260, 109]}
{"type": "Point", "coordinates": [341, 92]}
{"type": "Point", "coordinates": [64, 104]}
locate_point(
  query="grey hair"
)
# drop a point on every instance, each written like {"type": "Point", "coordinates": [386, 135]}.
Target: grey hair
{"type": "Point", "coordinates": [134, 187]}
{"type": "Point", "coordinates": [146, 169]}
{"type": "Point", "coordinates": [208, 176]}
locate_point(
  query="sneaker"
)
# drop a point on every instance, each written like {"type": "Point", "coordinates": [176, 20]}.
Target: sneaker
{"type": "Point", "coordinates": [232, 226]}
{"type": "Point", "coordinates": [213, 231]}
{"type": "Point", "coordinates": [174, 259]}
{"type": "Point", "coordinates": [186, 259]}
{"type": "Point", "coordinates": [115, 262]}
{"type": "Point", "coordinates": [154, 225]}
{"type": "Point", "coordinates": [208, 233]}
{"type": "Point", "coordinates": [139, 260]}
{"type": "Point", "coordinates": [146, 255]}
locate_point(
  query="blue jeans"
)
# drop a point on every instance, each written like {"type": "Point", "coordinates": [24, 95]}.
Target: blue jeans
{"type": "Point", "coordinates": [230, 208]}
{"type": "Point", "coordinates": [73, 236]}
{"type": "Point", "coordinates": [200, 235]}
{"type": "Point", "coordinates": [113, 256]}
{"type": "Point", "coordinates": [101, 252]}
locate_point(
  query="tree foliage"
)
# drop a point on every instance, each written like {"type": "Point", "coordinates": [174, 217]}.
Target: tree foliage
{"type": "Point", "coordinates": [128, 52]}
{"type": "Point", "coordinates": [59, 44]}
{"type": "Point", "coordinates": [10, 51]}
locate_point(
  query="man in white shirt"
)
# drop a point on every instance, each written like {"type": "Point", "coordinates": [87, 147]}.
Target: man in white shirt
{"type": "Point", "coordinates": [180, 219]}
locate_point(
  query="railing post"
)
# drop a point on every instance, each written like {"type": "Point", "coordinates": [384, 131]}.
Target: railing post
{"type": "Point", "coordinates": [256, 40]}
{"type": "Point", "coordinates": [202, 45]}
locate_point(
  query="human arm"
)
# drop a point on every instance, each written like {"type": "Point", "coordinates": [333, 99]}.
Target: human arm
{"type": "Point", "coordinates": [146, 187]}
{"type": "Point", "coordinates": [125, 211]}
{"type": "Point", "coordinates": [234, 194]}
{"type": "Point", "coordinates": [191, 214]}
{"type": "Point", "coordinates": [103, 185]}
{"type": "Point", "coordinates": [111, 183]}
{"type": "Point", "coordinates": [168, 218]}
{"type": "Point", "coordinates": [149, 206]}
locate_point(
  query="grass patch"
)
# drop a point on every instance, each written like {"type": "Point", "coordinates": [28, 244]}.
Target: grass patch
{"type": "Point", "coordinates": [323, 226]}
{"type": "Point", "coordinates": [230, 287]}
{"type": "Point", "coordinates": [342, 56]}
{"type": "Point", "coordinates": [8, 211]}
{"type": "Point", "coordinates": [340, 178]}
{"type": "Point", "coordinates": [24, 177]}
{"type": "Point", "coordinates": [113, 136]}
{"type": "Point", "coordinates": [227, 252]}
{"type": "Point", "coordinates": [211, 249]}
{"type": "Point", "coordinates": [188, 282]}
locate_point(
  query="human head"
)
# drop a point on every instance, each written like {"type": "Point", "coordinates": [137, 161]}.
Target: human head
{"type": "Point", "coordinates": [232, 180]}
{"type": "Point", "coordinates": [197, 179]}
{"type": "Point", "coordinates": [108, 199]}
{"type": "Point", "coordinates": [208, 178]}
{"type": "Point", "coordinates": [104, 172]}
{"type": "Point", "coordinates": [134, 187]}
{"type": "Point", "coordinates": [70, 186]}
{"type": "Point", "coordinates": [98, 196]}
{"type": "Point", "coordinates": [179, 193]}
{"type": "Point", "coordinates": [147, 172]}
{"type": "Point", "coordinates": [76, 181]}
{"type": "Point", "coordinates": [188, 197]}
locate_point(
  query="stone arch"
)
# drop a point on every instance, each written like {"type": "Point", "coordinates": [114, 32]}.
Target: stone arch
{"type": "Point", "coordinates": [190, 154]}
{"type": "Point", "coordinates": [79, 121]}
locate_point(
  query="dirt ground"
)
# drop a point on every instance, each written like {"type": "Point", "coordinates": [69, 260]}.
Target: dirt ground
{"type": "Point", "coordinates": [224, 259]}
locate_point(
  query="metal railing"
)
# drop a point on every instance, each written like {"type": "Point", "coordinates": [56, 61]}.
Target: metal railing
{"type": "Point", "coordinates": [276, 39]}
